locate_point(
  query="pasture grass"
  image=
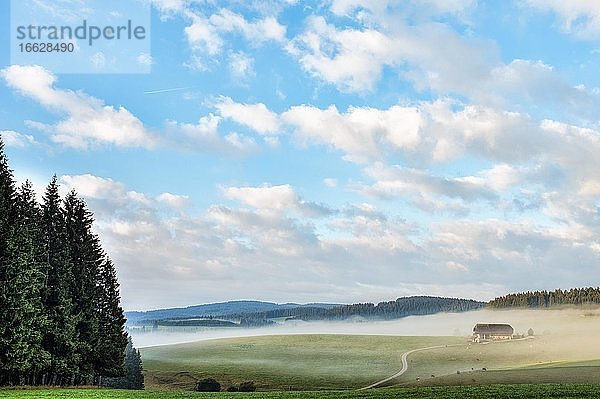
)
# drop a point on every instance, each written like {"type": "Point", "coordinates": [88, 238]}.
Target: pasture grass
{"type": "Point", "coordinates": [284, 362]}
{"type": "Point", "coordinates": [523, 391]}
{"type": "Point", "coordinates": [334, 362]}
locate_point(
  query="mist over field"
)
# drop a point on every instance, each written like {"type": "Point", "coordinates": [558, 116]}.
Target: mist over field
{"type": "Point", "coordinates": [561, 334]}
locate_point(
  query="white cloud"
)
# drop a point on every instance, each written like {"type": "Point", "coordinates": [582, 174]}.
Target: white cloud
{"type": "Point", "coordinates": [205, 33]}
{"type": "Point", "coordinates": [88, 120]}
{"type": "Point", "coordinates": [241, 67]}
{"type": "Point", "coordinates": [432, 56]}
{"type": "Point", "coordinates": [205, 136]}
{"type": "Point", "coordinates": [353, 59]}
{"type": "Point", "coordinates": [264, 197]}
{"type": "Point", "coordinates": [430, 132]}
{"type": "Point", "coordinates": [169, 7]}
{"type": "Point", "coordinates": [350, 59]}
{"type": "Point", "coordinates": [94, 187]}
{"type": "Point", "coordinates": [279, 198]}
{"type": "Point", "coordinates": [256, 116]}
{"type": "Point", "coordinates": [174, 200]}
{"type": "Point", "coordinates": [533, 84]}
{"type": "Point", "coordinates": [361, 133]}
{"type": "Point", "coordinates": [203, 36]}
{"type": "Point", "coordinates": [260, 30]}
{"type": "Point", "coordinates": [425, 191]}
{"type": "Point", "coordinates": [579, 17]}
{"type": "Point", "coordinates": [15, 139]}
{"type": "Point", "coordinates": [378, 10]}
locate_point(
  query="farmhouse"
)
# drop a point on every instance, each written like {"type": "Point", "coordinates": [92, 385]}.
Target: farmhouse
{"type": "Point", "coordinates": [492, 332]}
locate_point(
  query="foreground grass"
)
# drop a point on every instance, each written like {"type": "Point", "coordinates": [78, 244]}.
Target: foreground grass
{"type": "Point", "coordinates": [566, 375]}
{"type": "Point", "coordinates": [337, 362]}
{"type": "Point", "coordinates": [469, 392]}
{"type": "Point", "coordinates": [285, 362]}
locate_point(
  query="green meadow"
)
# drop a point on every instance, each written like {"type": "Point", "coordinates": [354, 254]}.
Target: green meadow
{"type": "Point", "coordinates": [333, 362]}
{"type": "Point", "coordinates": [283, 362]}
{"type": "Point", "coordinates": [523, 391]}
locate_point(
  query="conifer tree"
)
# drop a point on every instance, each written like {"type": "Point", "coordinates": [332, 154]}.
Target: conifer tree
{"type": "Point", "coordinates": [112, 338]}
{"type": "Point", "coordinates": [7, 219]}
{"type": "Point", "coordinates": [86, 257]}
{"type": "Point", "coordinates": [27, 319]}
{"type": "Point", "coordinates": [134, 377]}
{"type": "Point", "coordinates": [60, 338]}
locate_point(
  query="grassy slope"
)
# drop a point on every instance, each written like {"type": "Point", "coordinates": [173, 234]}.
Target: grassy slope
{"type": "Point", "coordinates": [494, 391]}
{"type": "Point", "coordinates": [290, 362]}
{"type": "Point", "coordinates": [316, 362]}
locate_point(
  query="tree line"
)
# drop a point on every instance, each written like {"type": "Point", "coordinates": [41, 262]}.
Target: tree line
{"type": "Point", "coordinates": [401, 307]}
{"type": "Point", "coordinates": [61, 322]}
{"type": "Point", "coordinates": [546, 299]}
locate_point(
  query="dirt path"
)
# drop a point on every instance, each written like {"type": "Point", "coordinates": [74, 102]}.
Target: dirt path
{"type": "Point", "coordinates": [405, 355]}
{"type": "Point", "coordinates": [405, 365]}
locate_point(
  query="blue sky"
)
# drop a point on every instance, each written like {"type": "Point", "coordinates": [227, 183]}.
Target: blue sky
{"type": "Point", "coordinates": [338, 151]}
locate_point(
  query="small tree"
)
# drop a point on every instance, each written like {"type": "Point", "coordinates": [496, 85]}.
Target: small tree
{"type": "Point", "coordinates": [134, 378]}
{"type": "Point", "coordinates": [247, 386]}
{"type": "Point", "coordinates": [530, 332]}
{"type": "Point", "coordinates": [208, 385]}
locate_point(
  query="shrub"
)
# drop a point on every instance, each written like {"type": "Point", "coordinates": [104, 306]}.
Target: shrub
{"type": "Point", "coordinates": [247, 386]}
{"type": "Point", "coordinates": [207, 385]}
{"type": "Point", "coordinates": [232, 388]}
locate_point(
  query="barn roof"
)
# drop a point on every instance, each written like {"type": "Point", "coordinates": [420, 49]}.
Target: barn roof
{"type": "Point", "coordinates": [493, 328]}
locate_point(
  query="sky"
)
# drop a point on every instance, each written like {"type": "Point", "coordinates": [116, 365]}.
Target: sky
{"type": "Point", "coordinates": [338, 151]}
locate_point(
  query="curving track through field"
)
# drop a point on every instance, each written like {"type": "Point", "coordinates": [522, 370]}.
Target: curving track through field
{"type": "Point", "coordinates": [405, 365]}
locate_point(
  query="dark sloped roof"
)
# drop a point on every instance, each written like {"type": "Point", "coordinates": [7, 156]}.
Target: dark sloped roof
{"type": "Point", "coordinates": [493, 328]}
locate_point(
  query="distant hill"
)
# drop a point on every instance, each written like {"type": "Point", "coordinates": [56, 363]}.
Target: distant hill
{"type": "Point", "coordinates": [546, 299]}
{"type": "Point", "coordinates": [389, 310]}
{"type": "Point", "coordinates": [256, 313]}
{"type": "Point", "coordinates": [215, 309]}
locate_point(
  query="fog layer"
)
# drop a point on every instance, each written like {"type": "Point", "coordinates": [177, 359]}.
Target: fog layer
{"type": "Point", "coordinates": [575, 328]}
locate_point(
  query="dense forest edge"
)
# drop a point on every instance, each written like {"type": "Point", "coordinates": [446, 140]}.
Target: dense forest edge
{"type": "Point", "coordinates": [61, 322]}
{"type": "Point", "coordinates": [548, 299]}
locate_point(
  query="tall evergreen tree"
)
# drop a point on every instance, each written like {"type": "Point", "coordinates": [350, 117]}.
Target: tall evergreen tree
{"type": "Point", "coordinates": [112, 338]}
{"type": "Point", "coordinates": [60, 338]}
{"type": "Point", "coordinates": [86, 257]}
{"type": "Point", "coordinates": [7, 220]}
{"type": "Point", "coordinates": [24, 268]}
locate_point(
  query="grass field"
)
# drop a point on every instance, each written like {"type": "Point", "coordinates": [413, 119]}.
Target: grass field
{"type": "Point", "coordinates": [285, 362]}
{"type": "Point", "coordinates": [322, 362]}
{"type": "Point", "coordinates": [564, 391]}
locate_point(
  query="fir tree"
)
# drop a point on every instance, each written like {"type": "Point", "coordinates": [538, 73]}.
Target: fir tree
{"type": "Point", "coordinates": [60, 338]}
{"type": "Point", "coordinates": [27, 321]}
{"type": "Point", "coordinates": [7, 290]}
{"type": "Point", "coordinates": [112, 338]}
{"type": "Point", "coordinates": [134, 377]}
{"type": "Point", "coordinates": [86, 257]}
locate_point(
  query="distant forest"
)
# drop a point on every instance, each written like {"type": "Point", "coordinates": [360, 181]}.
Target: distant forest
{"type": "Point", "coordinates": [401, 307]}
{"type": "Point", "coordinates": [546, 299]}
{"type": "Point", "coordinates": [61, 322]}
